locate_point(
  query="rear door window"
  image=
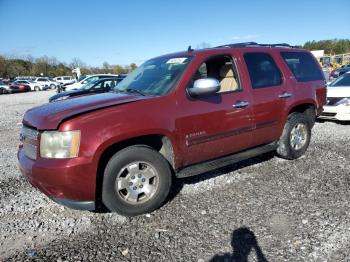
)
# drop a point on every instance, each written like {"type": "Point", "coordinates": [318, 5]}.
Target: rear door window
{"type": "Point", "coordinates": [263, 71]}
{"type": "Point", "coordinates": [303, 66]}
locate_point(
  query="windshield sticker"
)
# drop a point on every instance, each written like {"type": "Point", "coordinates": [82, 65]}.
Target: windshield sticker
{"type": "Point", "coordinates": [177, 60]}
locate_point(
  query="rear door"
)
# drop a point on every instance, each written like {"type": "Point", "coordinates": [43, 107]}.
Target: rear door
{"type": "Point", "coordinates": [218, 124]}
{"type": "Point", "coordinates": [270, 93]}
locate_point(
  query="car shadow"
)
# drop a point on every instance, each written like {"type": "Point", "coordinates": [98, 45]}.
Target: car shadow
{"type": "Point", "coordinates": [179, 183]}
{"type": "Point", "coordinates": [343, 123]}
{"type": "Point", "coordinates": [243, 242]}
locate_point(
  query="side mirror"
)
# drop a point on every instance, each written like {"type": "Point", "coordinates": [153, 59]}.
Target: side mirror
{"type": "Point", "coordinates": [205, 86]}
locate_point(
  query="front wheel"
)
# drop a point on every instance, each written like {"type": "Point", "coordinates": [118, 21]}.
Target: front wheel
{"type": "Point", "coordinates": [296, 137]}
{"type": "Point", "coordinates": [137, 180]}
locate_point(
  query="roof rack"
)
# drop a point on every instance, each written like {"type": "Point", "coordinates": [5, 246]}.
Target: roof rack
{"type": "Point", "coordinates": [254, 44]}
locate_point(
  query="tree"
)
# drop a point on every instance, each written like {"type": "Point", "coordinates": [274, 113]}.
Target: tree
{"type": "Point", "coordinates": [333, 46]}
{"type": "Point", "coordinates": [76, 62]}
{"type": "Point", "coordinates": [118, 69]}
{"type": "Point", "coordinates": [132, 67]}
{"type": "Point", "coordinates": [49, 66]}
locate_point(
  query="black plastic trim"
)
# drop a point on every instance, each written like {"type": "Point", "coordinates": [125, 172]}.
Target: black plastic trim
{"type": "Point", "coordinates": [210, 165]}
{"type": "Point", "coordinates": [78, 205]}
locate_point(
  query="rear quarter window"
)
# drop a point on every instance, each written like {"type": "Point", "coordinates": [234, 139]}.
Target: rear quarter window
{"type": "Point", "coordinates": [303, 66]}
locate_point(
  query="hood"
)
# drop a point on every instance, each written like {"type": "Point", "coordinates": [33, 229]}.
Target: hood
{"type": "Point", "coordinates": [338, 91]}
{"type": "Point", "coordinates": [70, 93]}
{"type": "Point", "coordinates": [49, 116]}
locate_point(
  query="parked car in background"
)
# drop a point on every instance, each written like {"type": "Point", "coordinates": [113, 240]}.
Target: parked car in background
{"type": "Point", "coordinates": [86, 80]}
{"type": "Point", "coordinates": [181, 115]}
{"type": "Point", "coordinates": [30, 78]}
{"type": "Point", "coordinates": [338, 99]}
{"type": "Point", "coordinates": [4, 88]}
{"type": "Point", "coordinates": [95, 87]}
{"type": "Point", "coordinates": [15, 87]}
{"type": "Point", "coordinates": [46, 81]}
{"type": "Point", "coordinates": [34, 86]}
{"type": "Point", "coordinates": [340, 70]}
{"type": "Point", "coordinates": [326, 74]}
{"type": "Point", "coordinates": [64, 79]}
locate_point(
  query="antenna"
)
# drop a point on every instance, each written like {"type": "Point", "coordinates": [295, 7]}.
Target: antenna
{"type": "Point", "coordinates": [189, 49]}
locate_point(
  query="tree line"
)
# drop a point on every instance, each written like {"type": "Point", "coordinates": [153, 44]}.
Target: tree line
{"type": "Point", "coordinates": [332, 46]}
{"type": "Point", "coordinates": [50, 66]}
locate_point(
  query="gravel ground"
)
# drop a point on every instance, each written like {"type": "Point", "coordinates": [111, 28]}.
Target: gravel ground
{"type": "Point", "coordinates": [261, 209]}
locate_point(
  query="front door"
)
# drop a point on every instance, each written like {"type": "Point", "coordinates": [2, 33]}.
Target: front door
{"type": "Point", "coordinates": [218, 124]}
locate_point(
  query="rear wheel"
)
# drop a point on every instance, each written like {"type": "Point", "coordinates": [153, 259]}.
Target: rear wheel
{"type": "Point", "coordinates": [136, 180]}
{"type": "Point", "coordinates": [296, 137]}
{"type": "Point", "coordinates": [36, 88]}
{"type": "Point", "coordinates": [52, 86]}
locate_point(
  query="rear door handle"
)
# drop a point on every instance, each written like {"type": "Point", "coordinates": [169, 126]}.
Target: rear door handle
{"type": "Point", "coordinates": [241, 104]}
{"type": "Point", "coordinates": [285, 95]}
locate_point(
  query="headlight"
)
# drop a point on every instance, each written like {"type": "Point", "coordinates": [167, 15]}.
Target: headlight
{"type": "Point", "coordinates": [55, 144]}
{"type": "Point", "coordinates": [343, 102]}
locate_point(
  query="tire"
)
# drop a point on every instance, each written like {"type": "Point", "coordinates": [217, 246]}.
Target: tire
{"type": "Point", "coordinates": [52, 86]}
{"type": "Point", "coordinates": [36, 88]}
{"type": "Point", "coordinates": [295, 138]}
{"type": "Point", "coordinates": [131, 173]}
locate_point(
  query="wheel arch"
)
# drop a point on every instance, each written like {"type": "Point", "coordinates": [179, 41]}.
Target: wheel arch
{"type": "Point", "coordinates": [159, 142]}
{"type": "Point", "coordinates": [308, 107]}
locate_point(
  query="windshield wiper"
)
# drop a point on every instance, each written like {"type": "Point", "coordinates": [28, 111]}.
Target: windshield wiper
{"type": "Point", "coordinates": [131, 90]}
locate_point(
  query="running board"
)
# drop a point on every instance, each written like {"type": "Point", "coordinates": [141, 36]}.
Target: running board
{"type": "Point", "coordinates": [210, 165]}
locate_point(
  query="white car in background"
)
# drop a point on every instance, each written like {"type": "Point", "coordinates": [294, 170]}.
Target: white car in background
{"type": "Point", "coordinates": [64, 79]}
{"type": "Point", "coordinates": [34, 86]}
{"type": "Point", "coordinates": [47, 81]}
{"type": "Point", "coordinates": [86, 80]}
{"type": "Point", "coordinates": [338, 99]}
{"type": "Point", "coordinates": [4, 88]}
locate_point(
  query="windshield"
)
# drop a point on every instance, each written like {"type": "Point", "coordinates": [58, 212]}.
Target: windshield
{"type": "Point", "coordinates": [343, 80]}
{"type": "Point", "coordinates": [89, 85]}
{"type": "Point", "coordinates": [82, 77]}
{"type": "Point", "coordinates": [155, 77]}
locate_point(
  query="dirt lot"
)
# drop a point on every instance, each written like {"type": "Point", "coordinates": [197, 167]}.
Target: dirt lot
{"type": "Point", "coordinates": [264, 208]}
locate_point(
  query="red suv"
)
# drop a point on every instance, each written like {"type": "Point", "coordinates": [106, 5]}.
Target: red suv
{"type": "Point", "coordinates": [179, 115]}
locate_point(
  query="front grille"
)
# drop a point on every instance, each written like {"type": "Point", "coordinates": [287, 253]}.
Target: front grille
{"type": "Point", "coordinates": [29, 138]}
{"type": "Point", "coordinates": [331, 101]}
{"type": "Point", "coordinates": [328, 114]}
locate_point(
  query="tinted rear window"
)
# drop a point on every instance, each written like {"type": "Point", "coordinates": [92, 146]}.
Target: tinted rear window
{"type": "Point", "coordinates": [303, 66]}
{"type": "Point", "coordinates": [263, 71]}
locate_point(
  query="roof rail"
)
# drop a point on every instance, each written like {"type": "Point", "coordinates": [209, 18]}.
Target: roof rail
{"type": "Point", "coordinates": [254, 44]}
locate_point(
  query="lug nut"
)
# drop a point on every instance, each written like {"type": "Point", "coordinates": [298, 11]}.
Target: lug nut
{"type": "Point", "coordinates": [139, 175]}
{"type": "Point", "coordinates": [130, 183]}
{"type": "Point", "coordinates": [134, 187]}
{"type": "Point", "coordinates": [133, 177]}
{"type": "Point", "coordinates": [141, 186]}
{"type": "Point", "coordinates": [143, 180]}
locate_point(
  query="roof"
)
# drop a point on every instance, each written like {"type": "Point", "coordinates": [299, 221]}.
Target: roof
{"type": "Point", "coordinates": [253, 45]}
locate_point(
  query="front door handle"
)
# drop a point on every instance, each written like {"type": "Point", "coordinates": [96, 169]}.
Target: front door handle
{"type": "Point", "coordinates": [285, 95]}
{"type": "Point", "coordinates": [241, 104]}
